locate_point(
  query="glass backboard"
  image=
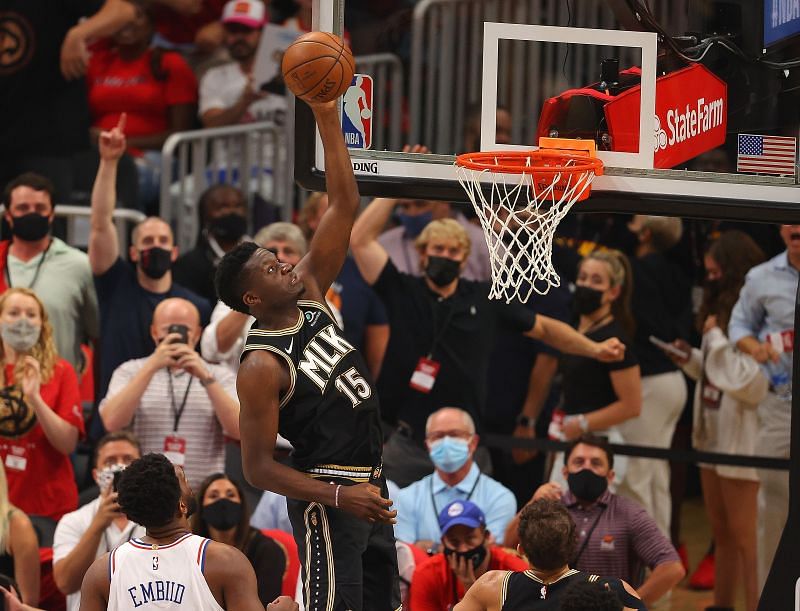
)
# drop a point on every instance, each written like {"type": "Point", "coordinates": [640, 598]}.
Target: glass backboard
{"type": "Point", "coordinates": [693, 104]}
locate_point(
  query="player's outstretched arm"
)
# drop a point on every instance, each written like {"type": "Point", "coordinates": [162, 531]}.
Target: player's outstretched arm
{"type": "Point", "coordinates": [259, 383]}
{"type": "Point", "coordinates": [484, 595]}
{"type": "Point", "coordinates": [94, 590]}
{"type": "Point", "coordinates": [329, 244]}
{"type": "Point", "coordinates": [566, 339]}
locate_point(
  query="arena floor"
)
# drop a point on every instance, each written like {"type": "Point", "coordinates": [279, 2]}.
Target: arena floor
{"type": "Point", "coordinates": [696, 535]}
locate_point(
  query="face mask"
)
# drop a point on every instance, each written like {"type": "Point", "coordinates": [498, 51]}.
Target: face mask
{"type": "Point", "coordinates": [414, 224]}
{"type": "Point", "coordinates": [476, 554]}
{"type": "Point", "coordinates": [21, 334]}
{"type": "Point", "coordinates": [586, 299]}
{"type": "Point", "coordinates": [228, 228]}
{"type": "Point", "coordinates": [713, 287]}
{"type": "Point", "coordinates": [449, 454]}
{"type": "Point", "coordinates": [105, 477]}
{"type": "Point", "coordinates": [223, 514]}
{"type": "Point", "coordinates": [155, 262]}
{"type": "Point", "coordinates": [30, 227]}
{"type": "Point", "coordinates": [442, 271]}
{"type": "Point", "coordinates": [587, 485]}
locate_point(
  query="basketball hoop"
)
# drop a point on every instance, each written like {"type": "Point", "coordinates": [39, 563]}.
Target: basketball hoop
{"type": "Point", "coordinates": [520, 197]}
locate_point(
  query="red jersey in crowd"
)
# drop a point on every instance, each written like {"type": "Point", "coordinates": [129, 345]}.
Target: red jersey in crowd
{"type": "Point", "coordinates": [434, 587]}
{"type": "Point", "coordinates": [182, 29]}
{"type": "Point", "coordinates": [117, 86]}
{"type": "Point", "coordinates": [40, 478]}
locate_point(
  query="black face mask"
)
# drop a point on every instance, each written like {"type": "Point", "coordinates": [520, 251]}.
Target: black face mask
{"type": "Point", "coordinates": [586, 299]}
{"type": "Point", "coordinates": [30, 227]}
{"type": "Point", "coordinates": [155, 262]}
{"type": "Point", "coordinates": [713, 287]}
{"type": "Point", "coordinates": [442, 271]}
{"type": "Point", "coordinates": [228, 228]}
{"type": "Point", "coordinates": [223, 514]}
{"type": "Point", "coordinates": [586, 485]}
{"type": "Point", "coordinates": [476, 554]}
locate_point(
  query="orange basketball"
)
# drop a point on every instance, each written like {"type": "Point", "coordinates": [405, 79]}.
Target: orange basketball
{"type": "Point", "coordinates": [318, 67]}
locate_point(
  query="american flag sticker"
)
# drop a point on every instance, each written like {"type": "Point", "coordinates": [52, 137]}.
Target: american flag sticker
{"type": "Point", "coordinates": [767, 155]}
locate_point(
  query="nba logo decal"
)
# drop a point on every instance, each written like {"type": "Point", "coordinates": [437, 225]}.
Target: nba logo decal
{"type": "Point", "coordinates": [357, 113]}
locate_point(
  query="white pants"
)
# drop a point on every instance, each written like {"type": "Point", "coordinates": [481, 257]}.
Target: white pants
{"type": "Point", "coordinates": [774, 419]}
{"type": "Point", "coordinates": [647, 480]}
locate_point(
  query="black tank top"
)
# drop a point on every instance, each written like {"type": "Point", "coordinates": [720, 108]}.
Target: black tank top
{"type": "Point", "coordinates": [523, 591]}
{"type": "Point", "coordinates": [330, 412]}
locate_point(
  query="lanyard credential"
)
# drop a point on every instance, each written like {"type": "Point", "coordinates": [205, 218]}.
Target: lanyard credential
{"type": "Point", "coordinates": [177, 412]}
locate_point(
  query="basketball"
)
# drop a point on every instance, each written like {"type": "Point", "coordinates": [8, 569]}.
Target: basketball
{"type": "Point", "coordinates": [318, 67]}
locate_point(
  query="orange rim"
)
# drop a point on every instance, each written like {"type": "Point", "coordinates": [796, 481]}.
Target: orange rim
{"type": "Point", "coordinates": [530, 162]}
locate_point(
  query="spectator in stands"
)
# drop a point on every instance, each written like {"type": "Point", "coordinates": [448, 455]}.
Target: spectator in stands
{"type": "Point", "coordinates": [616, 536]}
{"type": "Point", "coordinates": [761, 325]}
{"type": "Point", "coordinates": [442, 325]}
{"type": "Point", "coordinates": [414, 216]}
{"type": "Point", "coordinates": [662, 302]}
{"type": "Point", "coordinates": [222, 516]}
{"type": "Point", "coordinates": [311, 213]}
{"type": "Point", "coordinates": [467, 553]}
{"type": "Point", "coordinates": [19, 547]}
{"type": "Point", "coordinates": [43, 105]}
{"type": "Point", "coordinates": [173, 400]}
{"type": "Point", "coordinates": [227, 93]}
{"type": "Point", "coordinates": [730, 385]}
{"type": "Point", "coordinates": [223, 217]}
{"type": "Point", "coordinates": [599, 396]}
{"type": "Point", "coordinates": [39, 410]}
{"type": "Point", "coordinates": [472, 128]}
{"type": "Point", "coordinates": [128, 295]}
{"type": "Point", "coordinates": [58, 273]}
{"type": "Point", "coordinates": [156, 89]}
{"type": "Point", "coordinates": [193, 28]}
{"type": "Point", "coordinates": [99, 526]}
{"type": "Point", "coordinates": [451, 440]}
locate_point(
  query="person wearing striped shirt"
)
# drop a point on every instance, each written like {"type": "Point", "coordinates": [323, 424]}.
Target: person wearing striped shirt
{"type": "Point", "coordinates": [174, 401]}
{"type": "Point", "coordinates": [616, 536]}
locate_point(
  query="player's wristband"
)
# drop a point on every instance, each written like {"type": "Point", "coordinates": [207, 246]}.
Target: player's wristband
{"type": "Point", "coordinates": [336, 496]}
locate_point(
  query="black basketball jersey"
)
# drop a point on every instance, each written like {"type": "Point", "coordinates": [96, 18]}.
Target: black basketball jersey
{"type": "Point", "coordinates": [330, 412]}
{"type": "Point", "coordinates": [523, 591]}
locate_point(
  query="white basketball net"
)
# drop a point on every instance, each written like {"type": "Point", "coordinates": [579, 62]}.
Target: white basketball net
{"type": "Point", "coordinates": [519, 215]}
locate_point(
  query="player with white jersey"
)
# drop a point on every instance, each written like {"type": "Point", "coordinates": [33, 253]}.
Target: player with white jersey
{"type": "Point", "coordinates": [169, 568]}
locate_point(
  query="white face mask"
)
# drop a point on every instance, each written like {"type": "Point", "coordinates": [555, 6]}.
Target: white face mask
{"type": "Point", "coordinates": [105, 476]}
{"type": "Point", "coordinates": [21, 334]}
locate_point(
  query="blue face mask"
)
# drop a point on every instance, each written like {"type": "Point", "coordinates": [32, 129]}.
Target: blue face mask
{"type": "Point", "coordinates": [449, 454]}
{"type": "Point", "coordinates": [414, 224]}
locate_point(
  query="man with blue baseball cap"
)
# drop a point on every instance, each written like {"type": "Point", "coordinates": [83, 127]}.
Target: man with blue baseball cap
{"type": "Point", "coordinates": [468, 552]}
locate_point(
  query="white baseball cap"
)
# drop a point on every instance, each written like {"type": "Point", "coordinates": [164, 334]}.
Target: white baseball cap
{"type": "Point", "coordinates": [251, 13]}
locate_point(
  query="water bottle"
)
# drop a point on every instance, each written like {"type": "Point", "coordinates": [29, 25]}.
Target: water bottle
{"type": "Point", "coordinates": [782, 385]}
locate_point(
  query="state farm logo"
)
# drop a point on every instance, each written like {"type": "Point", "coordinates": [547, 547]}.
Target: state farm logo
{"type": "Point", "coordinates": [691, 122]}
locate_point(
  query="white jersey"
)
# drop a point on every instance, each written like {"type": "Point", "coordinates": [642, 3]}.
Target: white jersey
{"type": "Point", "coordinates": [147, 576]}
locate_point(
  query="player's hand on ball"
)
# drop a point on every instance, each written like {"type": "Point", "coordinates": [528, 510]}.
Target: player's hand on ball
{"type": "Point", "coordinates": [610, 350]}
{"type": "Point", "coordinates": [365, 501]}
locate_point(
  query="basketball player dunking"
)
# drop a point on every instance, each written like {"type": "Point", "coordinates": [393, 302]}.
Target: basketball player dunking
{"type": "Point", "coordinates": [547, 538]}
{"type": "Point", "coordinates": [301, 377]}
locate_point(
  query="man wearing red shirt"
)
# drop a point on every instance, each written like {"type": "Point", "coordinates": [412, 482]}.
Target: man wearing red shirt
{"type": "Point", "coordinates": [442, 580]}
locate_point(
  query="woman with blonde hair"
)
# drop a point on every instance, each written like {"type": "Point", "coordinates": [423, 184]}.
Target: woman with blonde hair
{"type": "Point", "coordinates": [40, 414]}
{"type": "Point", "coordinates": [19, 547]}
{"type": "Point", "coordinates": [597, 396]}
